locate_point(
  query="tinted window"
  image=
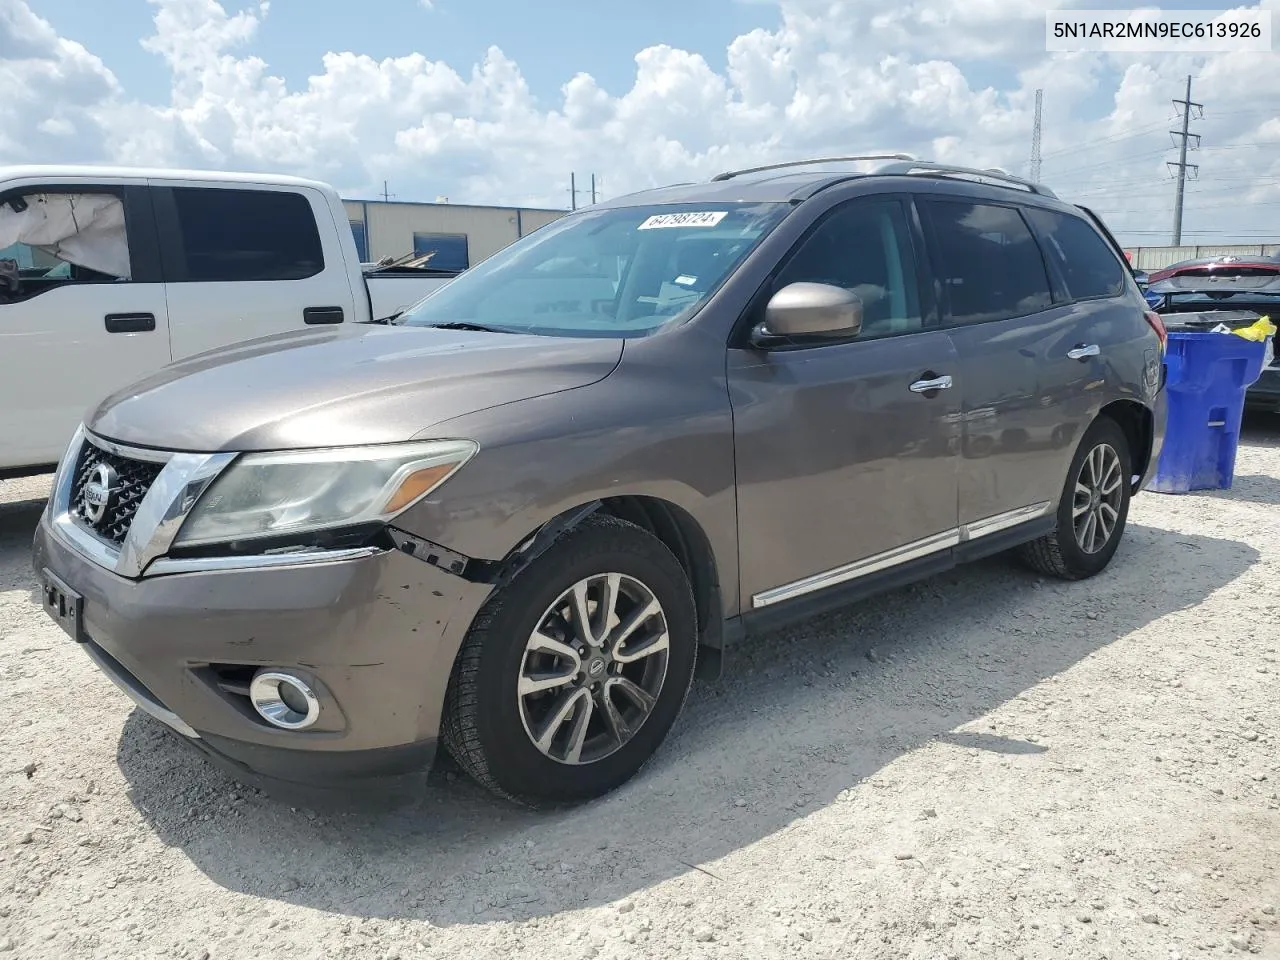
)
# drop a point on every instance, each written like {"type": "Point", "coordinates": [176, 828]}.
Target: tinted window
{"type": "Point", "coordinates": [1085, 261]}
{"type": "Point", "coordinates": [987, 261]}
{"type": "Point", "coordinates": [239, 235]}
{"type": "Point", "coordinates": [448, 251]}
{"type": "Point", "coordinates": [50, 240]}
{"type": "Point", "coordinates": [865, 247]}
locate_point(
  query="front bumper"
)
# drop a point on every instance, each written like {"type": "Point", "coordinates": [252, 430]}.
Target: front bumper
{"type": "Point", "coordinates": [375, 636]}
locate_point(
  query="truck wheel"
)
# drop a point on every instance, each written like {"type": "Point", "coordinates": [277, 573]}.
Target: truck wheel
{"type": "Point", "coordinates": [1093, 508]}
{"type": "Point", "coordinates": [572, 675]}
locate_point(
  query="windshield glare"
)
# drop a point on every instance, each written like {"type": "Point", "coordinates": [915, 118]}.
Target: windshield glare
{"type": "Point", "coordinates": [607, 273]}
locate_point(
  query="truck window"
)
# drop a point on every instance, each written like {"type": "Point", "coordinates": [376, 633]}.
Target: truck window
{"type": "Point", "coordinates": [54, 239]}
{"type": "Point", "coordinates": [239, 235]}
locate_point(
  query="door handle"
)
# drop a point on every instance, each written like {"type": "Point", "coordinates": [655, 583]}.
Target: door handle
{"type": "Point", "coordinates": [1082, 351]}
{"type": "Point", "coordinates": [928, 386]}
{"type": "Point", "coordinates": [322, 315]}
{"type": "Point", "coordinates": [129, 322]}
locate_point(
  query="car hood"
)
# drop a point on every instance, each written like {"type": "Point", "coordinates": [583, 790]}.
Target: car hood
{"type": "Point", "coordinates": [350, 385]}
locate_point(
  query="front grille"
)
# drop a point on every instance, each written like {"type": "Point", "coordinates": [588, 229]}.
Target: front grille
{"type": "Point", "coordinates": [130, 481]}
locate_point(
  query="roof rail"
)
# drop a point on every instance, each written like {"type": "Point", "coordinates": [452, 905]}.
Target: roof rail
{"type": "Point", "coordinates": [991, 173]}
{"type": "Point", "coordinates": [730, 174]}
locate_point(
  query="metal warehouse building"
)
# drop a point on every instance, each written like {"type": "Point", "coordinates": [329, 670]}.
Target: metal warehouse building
{"type": "Point", "coordinates": [460, 235]}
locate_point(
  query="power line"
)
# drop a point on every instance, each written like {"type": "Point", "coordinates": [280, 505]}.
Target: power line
{"type": "Point", "coordinates": [1182, 165]}
{"type": "Point", "coordinates": [1146, 129]}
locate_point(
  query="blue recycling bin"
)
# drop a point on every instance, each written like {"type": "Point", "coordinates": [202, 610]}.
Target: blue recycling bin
{"type": "Point", "coordinates": [1208, 374]}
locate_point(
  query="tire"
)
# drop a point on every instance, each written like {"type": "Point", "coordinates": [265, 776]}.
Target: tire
{"type": "Point", "coordinates": [490, 726]}
{"type": "Point", "coordinates": [1072, 554]}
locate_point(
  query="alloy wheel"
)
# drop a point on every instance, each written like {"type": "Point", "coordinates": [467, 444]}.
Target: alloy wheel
{"type": "Point", "coordinates": [593, 668]}
{"type": "Point", "coordinates": [1095, 509]}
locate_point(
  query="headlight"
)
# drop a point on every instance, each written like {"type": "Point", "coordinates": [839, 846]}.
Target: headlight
{"type": "Point", "coordinates": [276, 494]}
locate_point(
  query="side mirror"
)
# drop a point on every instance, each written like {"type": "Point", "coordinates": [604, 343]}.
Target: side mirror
{"type": "Point", "coordinates": [810, 310]}
{"type": "Point", "coordinates": [1142, 279]}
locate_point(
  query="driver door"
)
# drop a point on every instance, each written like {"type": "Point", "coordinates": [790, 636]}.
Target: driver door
{"type": "Point", "coordinates": [846, 467]}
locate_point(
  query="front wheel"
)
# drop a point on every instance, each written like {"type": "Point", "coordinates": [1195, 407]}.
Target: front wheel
{"type": "Point", "coordinates": [572, 675]}
{"type": "Point", "coordinates": [1093, 508]}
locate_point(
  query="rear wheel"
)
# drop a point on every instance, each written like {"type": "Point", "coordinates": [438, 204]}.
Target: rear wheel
{"type": "Point", "coordinates": [1093, 509]}
{"type": "Point", "coordinates": [572, 675]}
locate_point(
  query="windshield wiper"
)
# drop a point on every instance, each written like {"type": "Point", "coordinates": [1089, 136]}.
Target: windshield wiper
{"type": "Point", "coordinates": [467, 325]}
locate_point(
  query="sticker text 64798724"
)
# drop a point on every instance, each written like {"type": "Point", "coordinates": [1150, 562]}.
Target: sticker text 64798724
{"type": "Point", "coordinates": [705, 219]}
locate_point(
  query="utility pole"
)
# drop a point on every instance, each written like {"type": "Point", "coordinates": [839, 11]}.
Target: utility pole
{"type": "Point", "coordinates": [1035, 139]}
{"type": "Point", "coordinates": [1182, 165]}
{"type": "Point", "coordinates": [574, 191]}
{"type": "Point", "coordinates": [385, 195]}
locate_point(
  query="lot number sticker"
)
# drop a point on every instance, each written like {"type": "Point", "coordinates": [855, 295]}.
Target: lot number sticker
{"type": "Point", "coordinates": [662, 220]}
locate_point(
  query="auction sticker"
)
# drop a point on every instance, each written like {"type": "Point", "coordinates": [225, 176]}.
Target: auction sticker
{"type": "Point", "coordinates": [660, 220]}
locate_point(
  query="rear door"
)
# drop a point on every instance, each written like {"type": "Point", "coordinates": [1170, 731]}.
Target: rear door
{"type": "Point", "coordinates": [82, 308]}
{"type": "Point", "coordinates": [248, 261]}
{"type": "Point", "coordinates": [1028, 375]}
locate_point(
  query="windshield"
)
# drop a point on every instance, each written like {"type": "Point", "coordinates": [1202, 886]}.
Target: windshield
{"type": "Point", "coordinates": [621, 272]}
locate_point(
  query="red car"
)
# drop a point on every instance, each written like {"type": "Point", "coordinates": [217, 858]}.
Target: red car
{"type": "Point", "coordinates": [1260, 266]}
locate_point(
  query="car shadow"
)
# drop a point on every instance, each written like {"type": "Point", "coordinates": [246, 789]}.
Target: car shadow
{"type": "Point", "coordinates": [800, 718]}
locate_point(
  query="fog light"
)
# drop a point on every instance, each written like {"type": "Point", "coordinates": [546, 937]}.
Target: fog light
{"type": "Point", "coordinates": [283, 700]}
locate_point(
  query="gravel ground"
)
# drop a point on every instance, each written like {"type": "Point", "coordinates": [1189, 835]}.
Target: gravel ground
{"type": "Point", "coordinates": [984, 765]}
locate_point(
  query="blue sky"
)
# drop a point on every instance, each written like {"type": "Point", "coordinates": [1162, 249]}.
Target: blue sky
{"type": "Point", "coordinates": [409, 97]}
{"type": "Point", "coordinates": [550, 39]}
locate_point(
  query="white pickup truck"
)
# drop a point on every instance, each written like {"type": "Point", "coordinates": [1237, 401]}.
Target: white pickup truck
{"type": "Point", "coordinates": [108, 274]}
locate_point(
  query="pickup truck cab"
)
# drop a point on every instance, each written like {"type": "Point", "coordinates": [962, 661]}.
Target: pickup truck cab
{"type": "Point", "coordinates": [107, 275]}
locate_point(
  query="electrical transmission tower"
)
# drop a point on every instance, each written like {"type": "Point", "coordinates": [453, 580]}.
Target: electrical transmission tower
{"type": "Point", "coordinates": [1182, 166]}
{"type": "Point", "coordinates": [1035, 139]}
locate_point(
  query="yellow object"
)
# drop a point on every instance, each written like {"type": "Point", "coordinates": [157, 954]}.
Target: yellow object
{"type": "Point", "coordinates": [1257, 331]}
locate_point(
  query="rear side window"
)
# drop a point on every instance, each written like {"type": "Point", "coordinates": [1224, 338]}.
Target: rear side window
{"type": "Point", "coordinates": [1083, 259]}
{"type": "Point", "coordinates": [987, 261]}
{"type": "Point", "coordinates": [239, 235]}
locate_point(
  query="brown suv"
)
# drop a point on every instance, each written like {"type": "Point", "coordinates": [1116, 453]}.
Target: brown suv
{"type": "Point", "coordinates": [513, 519]}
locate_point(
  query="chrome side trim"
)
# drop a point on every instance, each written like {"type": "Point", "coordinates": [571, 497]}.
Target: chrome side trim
{"type": "Point", "coordinates": [900, 555]}
{"type": "Point", "coordinates": [1003, 521]}
{"type": "Point", "coordinates": [859, 568]}
{"type": "Point", "coordinates": [257, 561]}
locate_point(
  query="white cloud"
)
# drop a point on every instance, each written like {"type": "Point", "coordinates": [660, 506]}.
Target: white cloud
{"type": "Point", "coordinates": [941, 80]}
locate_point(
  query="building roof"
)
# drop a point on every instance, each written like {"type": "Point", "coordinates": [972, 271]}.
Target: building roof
{"type": "Point", "coordinates": [455, 206]}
